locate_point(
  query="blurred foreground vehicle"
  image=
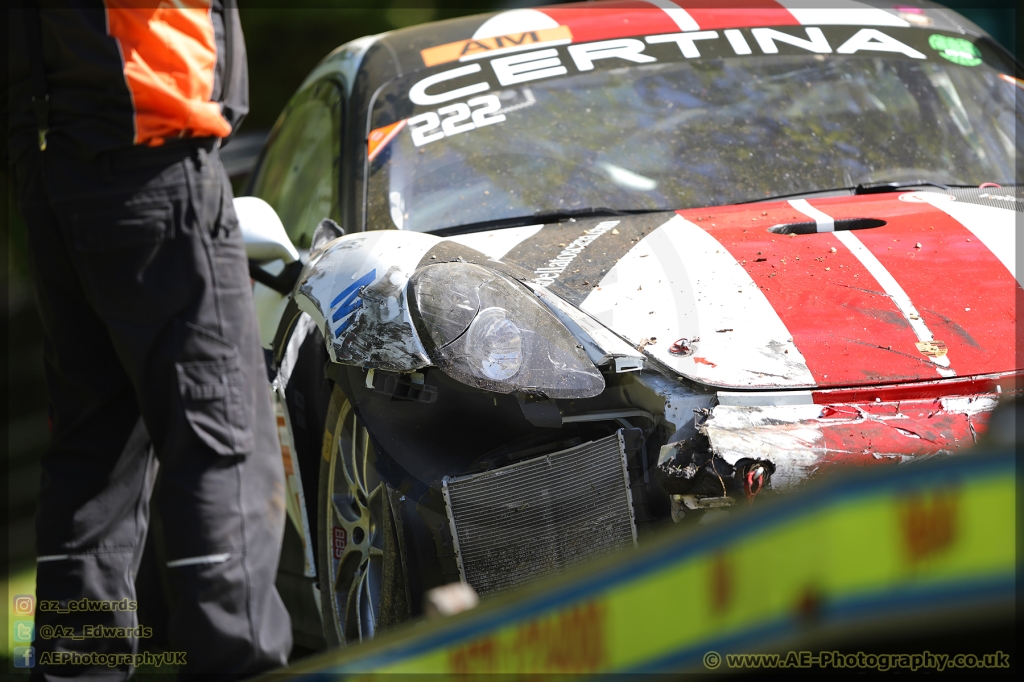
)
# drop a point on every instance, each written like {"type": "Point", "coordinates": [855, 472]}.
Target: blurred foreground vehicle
{"type": "Point", "coordinates": [590, 268]}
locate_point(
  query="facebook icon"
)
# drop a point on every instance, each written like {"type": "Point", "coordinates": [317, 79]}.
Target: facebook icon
{"type": "Point", "coordinates": [24, 657]}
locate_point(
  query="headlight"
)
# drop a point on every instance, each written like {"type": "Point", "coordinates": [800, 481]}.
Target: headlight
{"type": "Point", "coordinates": [497, 342]}
{"type": "Point", "coordinates": [487, 331]}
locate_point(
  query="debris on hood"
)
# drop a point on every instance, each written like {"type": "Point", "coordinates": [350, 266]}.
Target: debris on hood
{"type": "Point", "coordinates": [684, 346]}
{"type": "Point", "coordinates": [646, 342]}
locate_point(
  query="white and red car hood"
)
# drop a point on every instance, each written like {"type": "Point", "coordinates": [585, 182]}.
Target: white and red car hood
{"type": "Point", "coordinates": [930, 294]}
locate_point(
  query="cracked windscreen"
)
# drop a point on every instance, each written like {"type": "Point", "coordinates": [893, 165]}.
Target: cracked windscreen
{"type": "Point", "coordinates": [457, 148]}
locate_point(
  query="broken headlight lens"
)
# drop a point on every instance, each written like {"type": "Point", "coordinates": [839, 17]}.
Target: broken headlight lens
{"type": "Point", "coordinates": [487, 331]}
{"type": "Point", "coordinates": [497, 342]}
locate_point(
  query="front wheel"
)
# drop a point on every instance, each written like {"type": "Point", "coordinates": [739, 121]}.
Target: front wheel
{"type": "Point", "coordinates": [357, 551]}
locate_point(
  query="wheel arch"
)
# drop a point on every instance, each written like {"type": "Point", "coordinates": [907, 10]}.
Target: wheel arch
{"type": "Point", "coordinates": [355, 292]}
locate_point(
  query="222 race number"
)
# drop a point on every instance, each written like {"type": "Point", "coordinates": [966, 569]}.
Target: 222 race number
{"type": "Point", "coordinates": [454, 119]}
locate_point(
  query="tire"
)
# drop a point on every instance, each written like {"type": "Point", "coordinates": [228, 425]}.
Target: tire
{"type": "Point", "coordinates": [359, 563]}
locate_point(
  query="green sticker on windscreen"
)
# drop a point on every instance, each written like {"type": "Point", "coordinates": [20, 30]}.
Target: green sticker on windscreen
{"type": "Point", "coordinates": [956, 50]}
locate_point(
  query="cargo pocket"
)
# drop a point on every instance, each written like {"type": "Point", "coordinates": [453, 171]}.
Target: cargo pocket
{"type": "Point", "coordinates": [214, 393]}
{"type": "Point", "coordinates": [116, 243]}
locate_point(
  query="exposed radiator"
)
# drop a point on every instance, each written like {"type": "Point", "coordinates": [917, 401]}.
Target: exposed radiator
{"type": "Point", "coordinates": [514, 524]}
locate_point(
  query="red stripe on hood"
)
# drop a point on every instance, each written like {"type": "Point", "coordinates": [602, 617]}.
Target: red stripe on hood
{"type": "Point", "coordinates": [616, 20]}
{"type": "Point", "coordinates": [711, 14]}
{"type": "Point", "coordinates": [951, 272]}
{"type": "Point", "coordinates": [849, 331]}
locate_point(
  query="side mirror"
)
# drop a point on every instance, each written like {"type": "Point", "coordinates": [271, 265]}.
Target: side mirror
{"type": "Point", "coordinates": [262, 231]}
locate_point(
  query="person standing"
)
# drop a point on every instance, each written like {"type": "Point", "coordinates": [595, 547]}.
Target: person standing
{"type": "Point", "coordinates": [117, 111]}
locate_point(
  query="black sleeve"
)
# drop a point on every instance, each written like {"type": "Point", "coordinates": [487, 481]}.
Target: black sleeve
{"type": "Point", "coordinates": [234, 95]}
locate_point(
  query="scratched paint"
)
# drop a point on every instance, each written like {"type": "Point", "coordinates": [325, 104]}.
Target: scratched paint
{"type": "Point", "coordinates": [355, 293]}
{"type": "Point", "coordinates": [771, 311]}
{"type": "Point", "coordinates": [806, 440]}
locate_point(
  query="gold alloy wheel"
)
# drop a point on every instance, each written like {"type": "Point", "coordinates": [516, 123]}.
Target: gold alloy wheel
{"type": "Point", "coordinates": [351, 545]}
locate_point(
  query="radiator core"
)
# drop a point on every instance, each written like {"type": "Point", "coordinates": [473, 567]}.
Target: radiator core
{"type": "Point", "coordinates": [541, 515]}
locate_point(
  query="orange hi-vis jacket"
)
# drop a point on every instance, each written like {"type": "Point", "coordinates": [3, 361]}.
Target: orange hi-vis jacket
{"type": "Point", "coordinates": [129, 72]}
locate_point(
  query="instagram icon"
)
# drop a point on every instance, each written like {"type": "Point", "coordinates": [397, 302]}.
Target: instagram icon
{"type": "Point", "coordinates": [24, 604]}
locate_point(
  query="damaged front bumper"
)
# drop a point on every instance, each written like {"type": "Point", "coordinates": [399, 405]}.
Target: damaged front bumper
{"type": "Point", "coordinates": [741, 446]}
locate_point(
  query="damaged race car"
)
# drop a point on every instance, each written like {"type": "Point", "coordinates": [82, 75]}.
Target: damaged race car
{"type": "Point", "coordinates": [534, 283]}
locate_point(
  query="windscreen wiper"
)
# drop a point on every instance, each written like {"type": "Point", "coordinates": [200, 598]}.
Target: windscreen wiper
{"type": "Point", "coordinates": [544, 218]}
{"type": "Point", "coordinates": [882, 187]}
{"type": "Point", "coordinates": [871, 188]}
{"type": "Point", "coordinates": [594, 212]}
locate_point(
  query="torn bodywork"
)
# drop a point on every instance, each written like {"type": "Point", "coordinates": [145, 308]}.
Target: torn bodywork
{"type": "Point", "coordinates": [355, 291]}
{"type": "Point", "coordinates": [662, 316]}
{"type": "Point", "coordinates": [791, 443]}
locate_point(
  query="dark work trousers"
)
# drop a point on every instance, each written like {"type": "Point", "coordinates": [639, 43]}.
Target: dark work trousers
{"type": "Point", "coordinates": [152, 362]}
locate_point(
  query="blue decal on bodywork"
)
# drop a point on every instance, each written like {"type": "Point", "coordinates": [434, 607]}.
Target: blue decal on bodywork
{"type": "Point", "coordinates": [350, 301]}
{"type": "Point", "coordinates": [346, 309]}
{"type": "Point", "coordinates": [342, 327]}
{"type": "Point", "coordinates": [361, 282]}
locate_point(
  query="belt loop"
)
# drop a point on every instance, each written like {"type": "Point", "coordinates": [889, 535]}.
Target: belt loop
{"type": "Point", "coordinates": [199, 154]}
